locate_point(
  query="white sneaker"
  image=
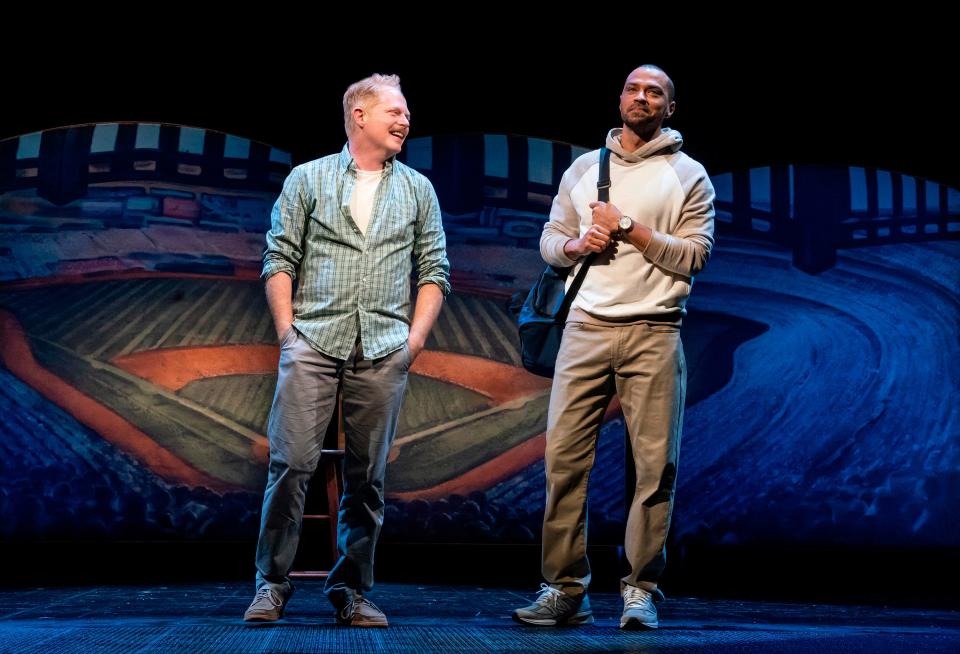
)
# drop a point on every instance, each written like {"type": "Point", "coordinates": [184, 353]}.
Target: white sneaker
{"type": "Point", "coordinates": [639, 610]}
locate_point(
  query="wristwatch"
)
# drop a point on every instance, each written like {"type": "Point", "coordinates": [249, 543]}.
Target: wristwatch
{"type": "Point", "coordinates": [626, 224]}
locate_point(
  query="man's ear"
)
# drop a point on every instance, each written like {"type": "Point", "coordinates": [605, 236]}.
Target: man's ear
{"type": "Point", "coordinates": [359, 116]}
{"type": "Point", "coordinates": [670, 109]}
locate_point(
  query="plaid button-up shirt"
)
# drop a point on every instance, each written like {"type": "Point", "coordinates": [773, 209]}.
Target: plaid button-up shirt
{"type": "Point", "coordinates": [348, 284]}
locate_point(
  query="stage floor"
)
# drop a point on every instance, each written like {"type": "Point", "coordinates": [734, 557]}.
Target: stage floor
{"type": "Point", "coordinates": [431, 618]}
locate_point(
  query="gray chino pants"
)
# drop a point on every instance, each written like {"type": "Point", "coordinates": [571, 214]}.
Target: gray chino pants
{"type": "Point", "coordinates": [303, 405]}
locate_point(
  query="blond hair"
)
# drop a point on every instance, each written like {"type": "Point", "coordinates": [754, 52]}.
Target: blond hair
{"type": "Point", "coordinates": [359, 94]}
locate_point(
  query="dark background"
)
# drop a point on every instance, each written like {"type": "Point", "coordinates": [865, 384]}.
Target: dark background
{"type": "Point", "coordinates": [868, 91]}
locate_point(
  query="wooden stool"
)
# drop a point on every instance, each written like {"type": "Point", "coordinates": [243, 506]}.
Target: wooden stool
{"type": "Point", "coordinates": [323, 501]}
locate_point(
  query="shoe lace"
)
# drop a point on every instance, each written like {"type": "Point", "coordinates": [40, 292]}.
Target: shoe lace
{"type": "Point", "coordinates": [364, 600]}
{"type": "Point", "coordinates": [351, 606]}
{"type": "Point", "coordinates": [549, 595]}
{"type": "Point", "coordinates": [267, 594]}
{"type": "Point", "coordinates": [634, 598]}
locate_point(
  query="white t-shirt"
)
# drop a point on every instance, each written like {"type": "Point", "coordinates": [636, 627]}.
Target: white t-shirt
{"type": "Point", "coordinates": [361, 202]}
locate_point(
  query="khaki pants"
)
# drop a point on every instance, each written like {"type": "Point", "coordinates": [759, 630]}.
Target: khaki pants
{"type": "Point", "coordinates": [644, 365]}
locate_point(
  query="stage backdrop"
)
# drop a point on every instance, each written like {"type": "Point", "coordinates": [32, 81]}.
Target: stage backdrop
{"type": "Point", "coordinates": [139, 358]}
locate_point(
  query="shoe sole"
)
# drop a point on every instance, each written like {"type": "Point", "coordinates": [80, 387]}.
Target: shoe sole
{"type": "Point", "coordinates": [634, 624]}
{"type": "Point", "coordinates": [578, 619]}
{"type": "Point", "coordinates": [259, 617]}
{"type": "Point", "coordinates": [356, 621]}
{"type": "Point", "coordinates": [362, 623]}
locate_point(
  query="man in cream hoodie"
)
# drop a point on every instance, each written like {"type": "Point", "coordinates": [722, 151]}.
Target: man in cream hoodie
{"type": "Point", "coordinates": [622, 336]}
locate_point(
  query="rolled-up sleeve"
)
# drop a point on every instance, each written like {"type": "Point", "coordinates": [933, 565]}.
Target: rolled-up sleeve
{"type": "Point", "coordinates": [430, 243]}
{"type": "Point", "coordinates": [287, 223]}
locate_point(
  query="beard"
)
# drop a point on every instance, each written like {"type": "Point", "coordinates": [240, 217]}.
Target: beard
{"type": "Point", "coordinates": [639, 123]}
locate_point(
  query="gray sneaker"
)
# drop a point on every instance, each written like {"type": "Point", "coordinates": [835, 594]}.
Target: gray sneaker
{"type": "Point", "coordinates": [267, 606]}
{"type": "Point", "coordinates": [361, 612]}
{"type": "Point", "coordinates": [554, 607]}
{"type": "Point", "coordinates": [639, 610]}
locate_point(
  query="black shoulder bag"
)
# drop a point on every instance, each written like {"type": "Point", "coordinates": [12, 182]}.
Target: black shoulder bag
{"type": "Point", "coordinates": [544, 312]}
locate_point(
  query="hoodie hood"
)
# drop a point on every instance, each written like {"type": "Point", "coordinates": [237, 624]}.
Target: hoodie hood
{"type": "Point", "coordinates": [668, 141]}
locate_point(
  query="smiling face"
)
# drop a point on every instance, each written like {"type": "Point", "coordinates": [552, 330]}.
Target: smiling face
{"type": "Point", "coordinates": [645, 101]}
{"type": "Point", "coordinates": [382, 124]}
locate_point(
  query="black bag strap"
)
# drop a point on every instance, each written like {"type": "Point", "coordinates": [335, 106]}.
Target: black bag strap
{"type": "Point", "coordinates": [603, 195]}
{"type": "Point", "coordinates": [603, 180]}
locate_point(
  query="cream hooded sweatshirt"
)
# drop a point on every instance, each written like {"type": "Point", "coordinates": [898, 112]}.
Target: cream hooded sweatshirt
{"type": "Point", "coordinates": [657, 186]}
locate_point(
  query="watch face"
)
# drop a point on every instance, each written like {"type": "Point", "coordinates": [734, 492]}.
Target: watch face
{"type": "Point", "coordinates": [625, 222]}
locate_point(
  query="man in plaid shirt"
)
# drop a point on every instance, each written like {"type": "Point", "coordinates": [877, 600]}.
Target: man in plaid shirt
{"type": "Point", "coordinates": [347, 230]}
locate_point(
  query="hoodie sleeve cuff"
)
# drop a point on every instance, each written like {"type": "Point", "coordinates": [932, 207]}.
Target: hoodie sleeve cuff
{"type": "Point", "coordinates": [655, 246]}
{"type": "Point", "coordinates": [553, 251]}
